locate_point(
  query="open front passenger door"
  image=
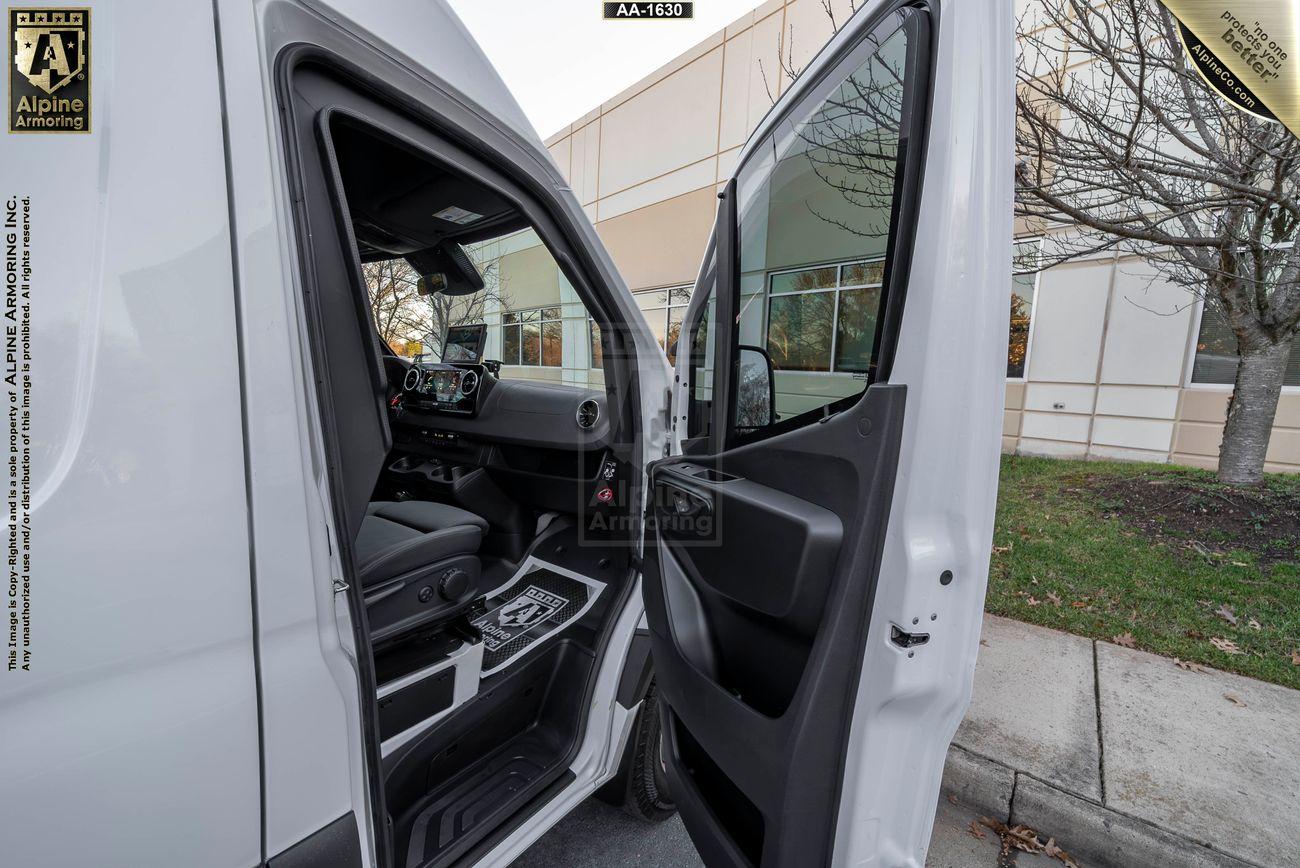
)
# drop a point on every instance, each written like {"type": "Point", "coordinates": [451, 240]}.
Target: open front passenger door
{"type": "Point", "coordinates": [816, 555]}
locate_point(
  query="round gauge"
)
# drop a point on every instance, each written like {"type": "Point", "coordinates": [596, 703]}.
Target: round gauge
{"type": "Point", "coordinates": [412, 379]}
{"type": "Point", "coordinates": [468, 383]}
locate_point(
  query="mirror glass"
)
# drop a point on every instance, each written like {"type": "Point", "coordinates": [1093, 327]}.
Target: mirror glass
{"type": "Point", "coordinates": [753, 389]}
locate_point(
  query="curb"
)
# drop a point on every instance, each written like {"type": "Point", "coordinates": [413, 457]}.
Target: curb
{"type": "Point", "coordinates": [1098, 837]}
{"type": "Point", "coordinates": [983, 785]}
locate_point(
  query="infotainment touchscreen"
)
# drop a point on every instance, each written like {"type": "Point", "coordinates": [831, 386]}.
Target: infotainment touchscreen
{"type": "Point", "coordinates": [464, 343]}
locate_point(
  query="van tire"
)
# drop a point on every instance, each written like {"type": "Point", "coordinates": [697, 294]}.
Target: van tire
{"type": "Point", "coordinates": [647, 797]}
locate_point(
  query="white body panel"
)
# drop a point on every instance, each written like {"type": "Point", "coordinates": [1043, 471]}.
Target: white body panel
{"type": "Point", "coordinates": [134, 738]}
{"type": "Point", "coordinates": [184, 557]}
{"type": "Point", "coordinates": [952, 357]}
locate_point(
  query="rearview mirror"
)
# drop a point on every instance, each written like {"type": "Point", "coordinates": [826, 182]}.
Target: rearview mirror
{"type": "Point", "coordinates": [755, 389]}
{"type": "Point", "coordinates": [428, 284]}
{"type": "Point", "coordinates": [445, 268]}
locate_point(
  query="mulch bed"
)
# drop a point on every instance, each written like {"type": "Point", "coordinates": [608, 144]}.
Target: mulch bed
{"type": "Point", "coordinates": [1205, 516]}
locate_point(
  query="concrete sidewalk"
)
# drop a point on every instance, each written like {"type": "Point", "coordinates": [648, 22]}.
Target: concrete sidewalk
{"type": "Point", "coordinates": [1127, 759]}
{"type": "Point", "coordinates": [1120, 756]}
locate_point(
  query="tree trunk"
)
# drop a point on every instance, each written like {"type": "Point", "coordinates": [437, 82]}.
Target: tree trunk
{"type": "Point", "coordinates": [1251, 412]}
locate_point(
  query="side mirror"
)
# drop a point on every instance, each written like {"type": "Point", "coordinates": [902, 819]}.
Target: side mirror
{"type": "Point", "coordinates": [755, 389]}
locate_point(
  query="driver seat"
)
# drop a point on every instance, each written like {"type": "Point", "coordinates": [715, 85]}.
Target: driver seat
{"type": "Point", "coordinates": [417, 562]}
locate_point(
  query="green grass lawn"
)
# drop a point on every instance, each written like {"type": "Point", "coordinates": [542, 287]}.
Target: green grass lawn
{"type": "Point", "coordinates": [1164, 557]}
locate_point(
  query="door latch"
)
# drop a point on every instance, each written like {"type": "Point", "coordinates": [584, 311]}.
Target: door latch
{"type": "Point", "coordinates": [340, 586]}
{"type": "Point", "coordinates": [906, 640]}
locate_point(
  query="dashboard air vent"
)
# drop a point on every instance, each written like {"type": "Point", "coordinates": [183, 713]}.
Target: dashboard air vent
{"type": "Point", "coordinates": [588, 414]}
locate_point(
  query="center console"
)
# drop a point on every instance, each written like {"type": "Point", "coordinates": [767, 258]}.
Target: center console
{"type": "Point", "coordinates": [441, 387]}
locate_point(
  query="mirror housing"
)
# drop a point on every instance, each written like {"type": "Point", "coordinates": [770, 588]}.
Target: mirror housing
{"type": "Point", "coordinates": [755, 388]}
{"type": "Point", "coordinates": [445, 268]}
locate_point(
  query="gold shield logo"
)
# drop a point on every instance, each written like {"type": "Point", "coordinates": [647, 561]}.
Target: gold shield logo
{"type": "Point", "coordinates": [49, 79]}
{"type": "Point", "coordinates": [50, 46]}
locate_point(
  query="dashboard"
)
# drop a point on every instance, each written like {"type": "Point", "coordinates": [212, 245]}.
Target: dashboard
{"type": "Point", "coordinates": [443, 388]}
{"type": "Point", "coordinates": [469, 401]}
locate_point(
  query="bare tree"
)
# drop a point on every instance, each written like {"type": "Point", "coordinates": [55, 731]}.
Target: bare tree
{"type": "Point", "coordinates": [394, 302]}
{"type": "Point", "coordinates": [402, 315]}
{"type": "Point", "coordinates": [1125, 148]}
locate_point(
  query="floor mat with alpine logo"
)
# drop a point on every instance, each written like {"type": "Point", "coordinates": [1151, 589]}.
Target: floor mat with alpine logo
{"type": "Point", "coordinates": [534, 605]}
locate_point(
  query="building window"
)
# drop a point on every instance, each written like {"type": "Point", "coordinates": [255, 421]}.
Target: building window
{"type": "Point", "coordinates": [533, 338]}
{"type": "Point", "coordinates": [663, 310]}
{"type": "Point", "coordinates": [824, 319]}
{"type": "Point", "coordinates": [1024, 288]}
{"type": "Point", "coordinates": [1216, 353]}
{"type": "Point", "coordinates": [597, 353]}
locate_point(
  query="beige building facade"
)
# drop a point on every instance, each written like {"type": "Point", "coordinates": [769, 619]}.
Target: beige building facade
{"type": "Point", "coordinates": [1106, 360]}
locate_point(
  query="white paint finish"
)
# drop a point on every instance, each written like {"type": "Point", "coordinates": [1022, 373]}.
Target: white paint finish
{"type": "Point", "coordinates": [1051, 448]}
{"type": "Point", "coordinates": [1073, 398]}
{"type": "Point", "coordinates": [1150, 402]}
{"type": "Point", "coordinates": [1068, 316]}
{"type": "Point", "coordinates": [684, 180]}
{"type": "Point", "coordinates": [1181, 756]}
{"type": "Point", "coordinates": [1146, 338]}
{"type": "Point", "coordinates": [671, 124]}
{"type": "Point", "coordinates": [1055, 426]}
{"type": "Point", "coordinates": [133, 739]}
{"type": "Point", "coordinates": [952, 357]}
{"type": "Point", "coordinates": [1150, 434]}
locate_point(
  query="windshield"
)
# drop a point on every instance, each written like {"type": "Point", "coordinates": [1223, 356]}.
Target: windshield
{"type": "Point", "coordinates": [533, 322]}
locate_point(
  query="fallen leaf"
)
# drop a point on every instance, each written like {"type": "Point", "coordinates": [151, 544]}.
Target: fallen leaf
{"type": "Point", "coordinates": [1031, 601]}
{"type": "Point", "coordinates": [975, 830]}
{"type": "Point", "coordinates": [1225, 612]}
{"type": "Point", "coordinates": [1125, 639]}
{"type": "Point", "coordinates": [1239, 564]}
{"type": "Point", "coordinates": [1295, 658]}
{"type": "Point", "coordinates": [1254, 625]}
{"type": "Point", "coordinates": [1188, 665]}
{"type": "Point", "coordinates": [952, 800]}
{"type": "Point", "coordinates": [1001, 550]}
{"type": "Point", "coordinates": [1235, 699]}
{"type": "Point", "coordinates": [1080, 604]}
{"type": "Point", "coordinates": [984, 642]}
{"type": "Point", "coordinates": [1025, 839]}
{"type": "Point", "coordinates": [1055, 852]}
{"type": "Point", "coordinates": [1227, 646]}
{"type": "Point", "coordinates": [1053, 599]}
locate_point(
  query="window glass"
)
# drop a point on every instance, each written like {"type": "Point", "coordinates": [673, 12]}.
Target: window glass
{"type": "Point", "coordinates": [552, 344]}
{"type": "Point", "coordinates": [855, 329]}
{"type": "Point", "coordinates": [674, 332]}
{"type": "Point", "coordinates": [597, 352]}
{"type": "Point", "coordinates": [1217, 356]}
{"type": "Point", "coordinates": [815, 216]}
{"type": "Point", "coordinates": [700, 383]}
{"type": "Point", "coordinates": [799, 331]}
{"type": "Point", "coordinates": [663, 309]}
{"type": "Point", "coordinates": [530, 310]}
{"type": "Point", "coordinates": [797, 281]}
{"type": "Point", "coordinates": [510, 345]}
{"type": "Point", "coordinates": [1024, 280]}
{"type": "Point", "coordinates": [531, 344]}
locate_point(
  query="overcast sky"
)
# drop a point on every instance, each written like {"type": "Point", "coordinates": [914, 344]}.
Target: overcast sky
{"type": "Point", "coordinates": [562, 59]}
